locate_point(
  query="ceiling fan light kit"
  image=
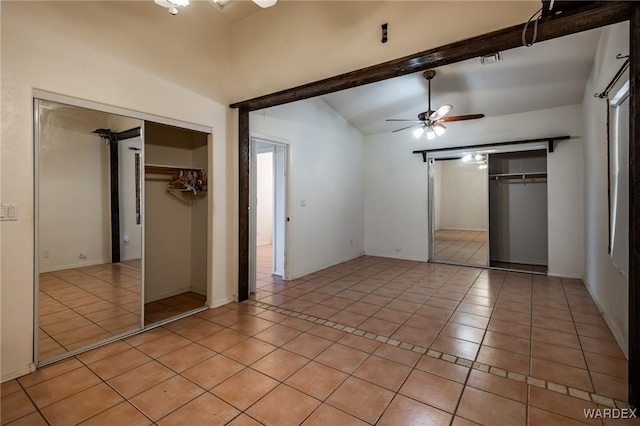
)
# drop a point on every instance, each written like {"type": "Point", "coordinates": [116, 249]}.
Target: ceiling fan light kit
{"type": "Point", "coordinates": [431, 121]}
{"type": "Point", "coordinates": [173, 5]}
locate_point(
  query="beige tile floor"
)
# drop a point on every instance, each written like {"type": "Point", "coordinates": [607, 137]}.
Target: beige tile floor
{"type": "Point", "coordinates": [471, 248]}
{"type": "Point", "coordinates": [539, 338]}
{"type": "Point", "coordinates": [82, 306]}
{"type": "Point", "coordinates": [461, 246]}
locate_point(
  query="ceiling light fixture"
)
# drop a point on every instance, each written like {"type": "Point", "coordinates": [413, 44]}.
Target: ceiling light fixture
{"type": "Point", "coordinates": [265, 3]}
{"type": "Point", "coordinates": [418, 132]}
{"type": "Point", "coordinates": [172, 5]}
{"type": "Point", "coordinates": [262, 3]}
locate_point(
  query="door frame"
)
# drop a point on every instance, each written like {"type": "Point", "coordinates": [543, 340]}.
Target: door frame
{"type": "Point", "coordinates": [255, 139]}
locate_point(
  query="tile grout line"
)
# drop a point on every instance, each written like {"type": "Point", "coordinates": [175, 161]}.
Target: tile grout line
{"type": "Point", "coordinates": [530, 380]}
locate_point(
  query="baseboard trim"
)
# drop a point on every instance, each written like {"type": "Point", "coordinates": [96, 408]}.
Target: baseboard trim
{"type": "Point", "coordinates": [19, 373]}
{"type": "Point", "coordinates": [222, 302]}
{"type": "Point", "coordinates": [617, 334]}
{"type": "Point", "coordinates": [345, 259]}
{"type": "Point", "coordinates": [397, 256]}
{"type": "Point", "coordinates": [73, 266]}
{"type": "Point", "coordinates": [166, 294]}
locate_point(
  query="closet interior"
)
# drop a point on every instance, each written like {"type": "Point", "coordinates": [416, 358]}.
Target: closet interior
{"type": "Point", "coordinates": [175, 221]}
{"type": "Point", "coordinates": [518, 223]}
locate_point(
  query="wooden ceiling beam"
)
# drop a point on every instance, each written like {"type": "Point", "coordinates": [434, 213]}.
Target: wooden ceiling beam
{"type": "Point", "coordinates": [576, 20]}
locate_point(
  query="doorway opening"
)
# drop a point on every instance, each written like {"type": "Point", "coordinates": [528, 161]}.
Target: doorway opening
{"type": "Point", "coordinates": [269, 213]}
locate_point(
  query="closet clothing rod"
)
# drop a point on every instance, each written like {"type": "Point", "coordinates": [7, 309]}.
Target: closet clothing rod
{"type": "Point", "coordinates": [161, 168]}
{"type": "Point", "coordinates": [499, 176]}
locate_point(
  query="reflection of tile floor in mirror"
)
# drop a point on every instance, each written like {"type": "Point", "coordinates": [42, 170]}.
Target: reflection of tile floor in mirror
{"type": "Point", "coordinates": [461, 246]}
{"type": "Point", "coordinates": [470, 346]}
{"type": "Point", "coordinates": [84, 305]}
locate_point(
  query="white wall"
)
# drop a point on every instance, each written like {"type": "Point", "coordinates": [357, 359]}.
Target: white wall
{"type": "Point", "coordinates": [396, 184]}
{"type": "Point", "coordinates": [199, 237]}
{"type": "Point", "coordinates": [609, 288]}
{"type": "Point", "coordinates": [45, 47]}
{"type": "Point", "coordinates": [396, 204]}
{"type": "Point", "coordinates": [461, 202]}
{"type": "Point", "coordinates": [326, 192]}
{"type": "Point", "coordinates": [264, 234]}
{"type": "Point", "coordinates": [297, 42]}
{"type": "Point", "coordinates": [73, 188]}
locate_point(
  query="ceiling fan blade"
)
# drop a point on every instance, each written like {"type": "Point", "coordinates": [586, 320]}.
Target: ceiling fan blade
{"type": "Point", "coordinates": [404, 119]}
{"type": "Point", "coordinates": [440, 112]}
{"type": "Point", "coordinates": [463, 117]}
{"type": "Point", "coordinates": [405, 128]}
{"type": "Point", "coordinates": [265, 3]}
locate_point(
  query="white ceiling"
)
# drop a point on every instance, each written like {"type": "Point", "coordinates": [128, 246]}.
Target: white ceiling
{"type": "Point", "coordinates": [236, 10]}
{"type": "Point", "coordinates": [548, 74]}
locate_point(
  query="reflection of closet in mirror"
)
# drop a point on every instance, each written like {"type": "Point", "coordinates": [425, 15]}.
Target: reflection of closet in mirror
{"type": "Point", "coordinates": [460, 211]}
{"type": "Point", "coordinates": [175, 221]}
{"type": "Point", "coordinates": [518, 210]}
{"type": "Point", "coordinates": [88, 240]}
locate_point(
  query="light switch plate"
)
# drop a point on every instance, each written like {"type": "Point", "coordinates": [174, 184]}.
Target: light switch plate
{"type": "Point", "coordinates": [8, 212]}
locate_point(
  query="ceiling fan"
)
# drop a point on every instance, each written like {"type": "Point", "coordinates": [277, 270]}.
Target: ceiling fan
{"type": "Point", "coordinates": [432, 121]}
{"type": "Point", "coordinates": [173, 5]}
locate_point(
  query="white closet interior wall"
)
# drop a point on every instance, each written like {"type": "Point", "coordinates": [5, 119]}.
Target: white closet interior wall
{"type": "Point", "coordinates": [175, 223]}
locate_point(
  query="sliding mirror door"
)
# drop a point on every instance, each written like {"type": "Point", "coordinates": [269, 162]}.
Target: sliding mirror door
{"type": "Point", "coordinates": [88, 227]}
{"type": "Point", "coordinates": [458, 199]}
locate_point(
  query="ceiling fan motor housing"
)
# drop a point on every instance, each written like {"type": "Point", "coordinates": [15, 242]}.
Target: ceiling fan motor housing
{"type": "Point", "coordinates": [424, 116]}
{"type": "Point", "coordinates": [429, 74]}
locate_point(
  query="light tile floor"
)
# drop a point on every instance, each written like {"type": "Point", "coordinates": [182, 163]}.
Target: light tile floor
{"type": "Point", "coordinates": [82, 306]}
{"type": "Point", "coordinates": [471, 248]}
{"type": "Point", "coordinates": [538, 343]}
{"type": "Point", "coordinates": [461, 246]}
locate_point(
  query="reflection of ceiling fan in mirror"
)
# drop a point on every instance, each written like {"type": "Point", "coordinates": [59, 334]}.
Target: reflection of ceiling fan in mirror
{"type": "Point", "coordinates": [431, 121]}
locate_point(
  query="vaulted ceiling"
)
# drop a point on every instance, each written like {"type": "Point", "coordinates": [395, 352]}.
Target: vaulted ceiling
{"type": "Point", "coordinates": [546, 75]}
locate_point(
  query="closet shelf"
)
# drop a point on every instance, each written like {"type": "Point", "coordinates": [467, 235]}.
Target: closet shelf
{"type": "Point", "coordinates": [535, 175]}
{"type": "Point", "coordinates": [165, 169]}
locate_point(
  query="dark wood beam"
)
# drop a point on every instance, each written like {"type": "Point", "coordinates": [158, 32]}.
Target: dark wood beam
{"type": "Point", "coordinates": [243, 205]}
{"type": "Point", "coordinates": [634, 209]}
{"type": "Point", "coordinates": [115, 199]}
{"type": "Point", "coordinates": [574, 21]}
{"type": "Point", "coordinates": [549, 140]}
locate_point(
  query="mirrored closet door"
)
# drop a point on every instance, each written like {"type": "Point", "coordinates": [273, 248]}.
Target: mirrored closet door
{"type": "Point", "coordinates": [122, 228]}
{"type": "Point", "coordinates": [89, 231]}
{"type": "Point", "coordinates": [459, 210]}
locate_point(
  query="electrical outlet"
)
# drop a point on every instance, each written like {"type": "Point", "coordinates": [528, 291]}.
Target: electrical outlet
{"type": "Point", "coordinates": [82, 256]}
{"type": "Point", "coordinates": [45, 254]}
